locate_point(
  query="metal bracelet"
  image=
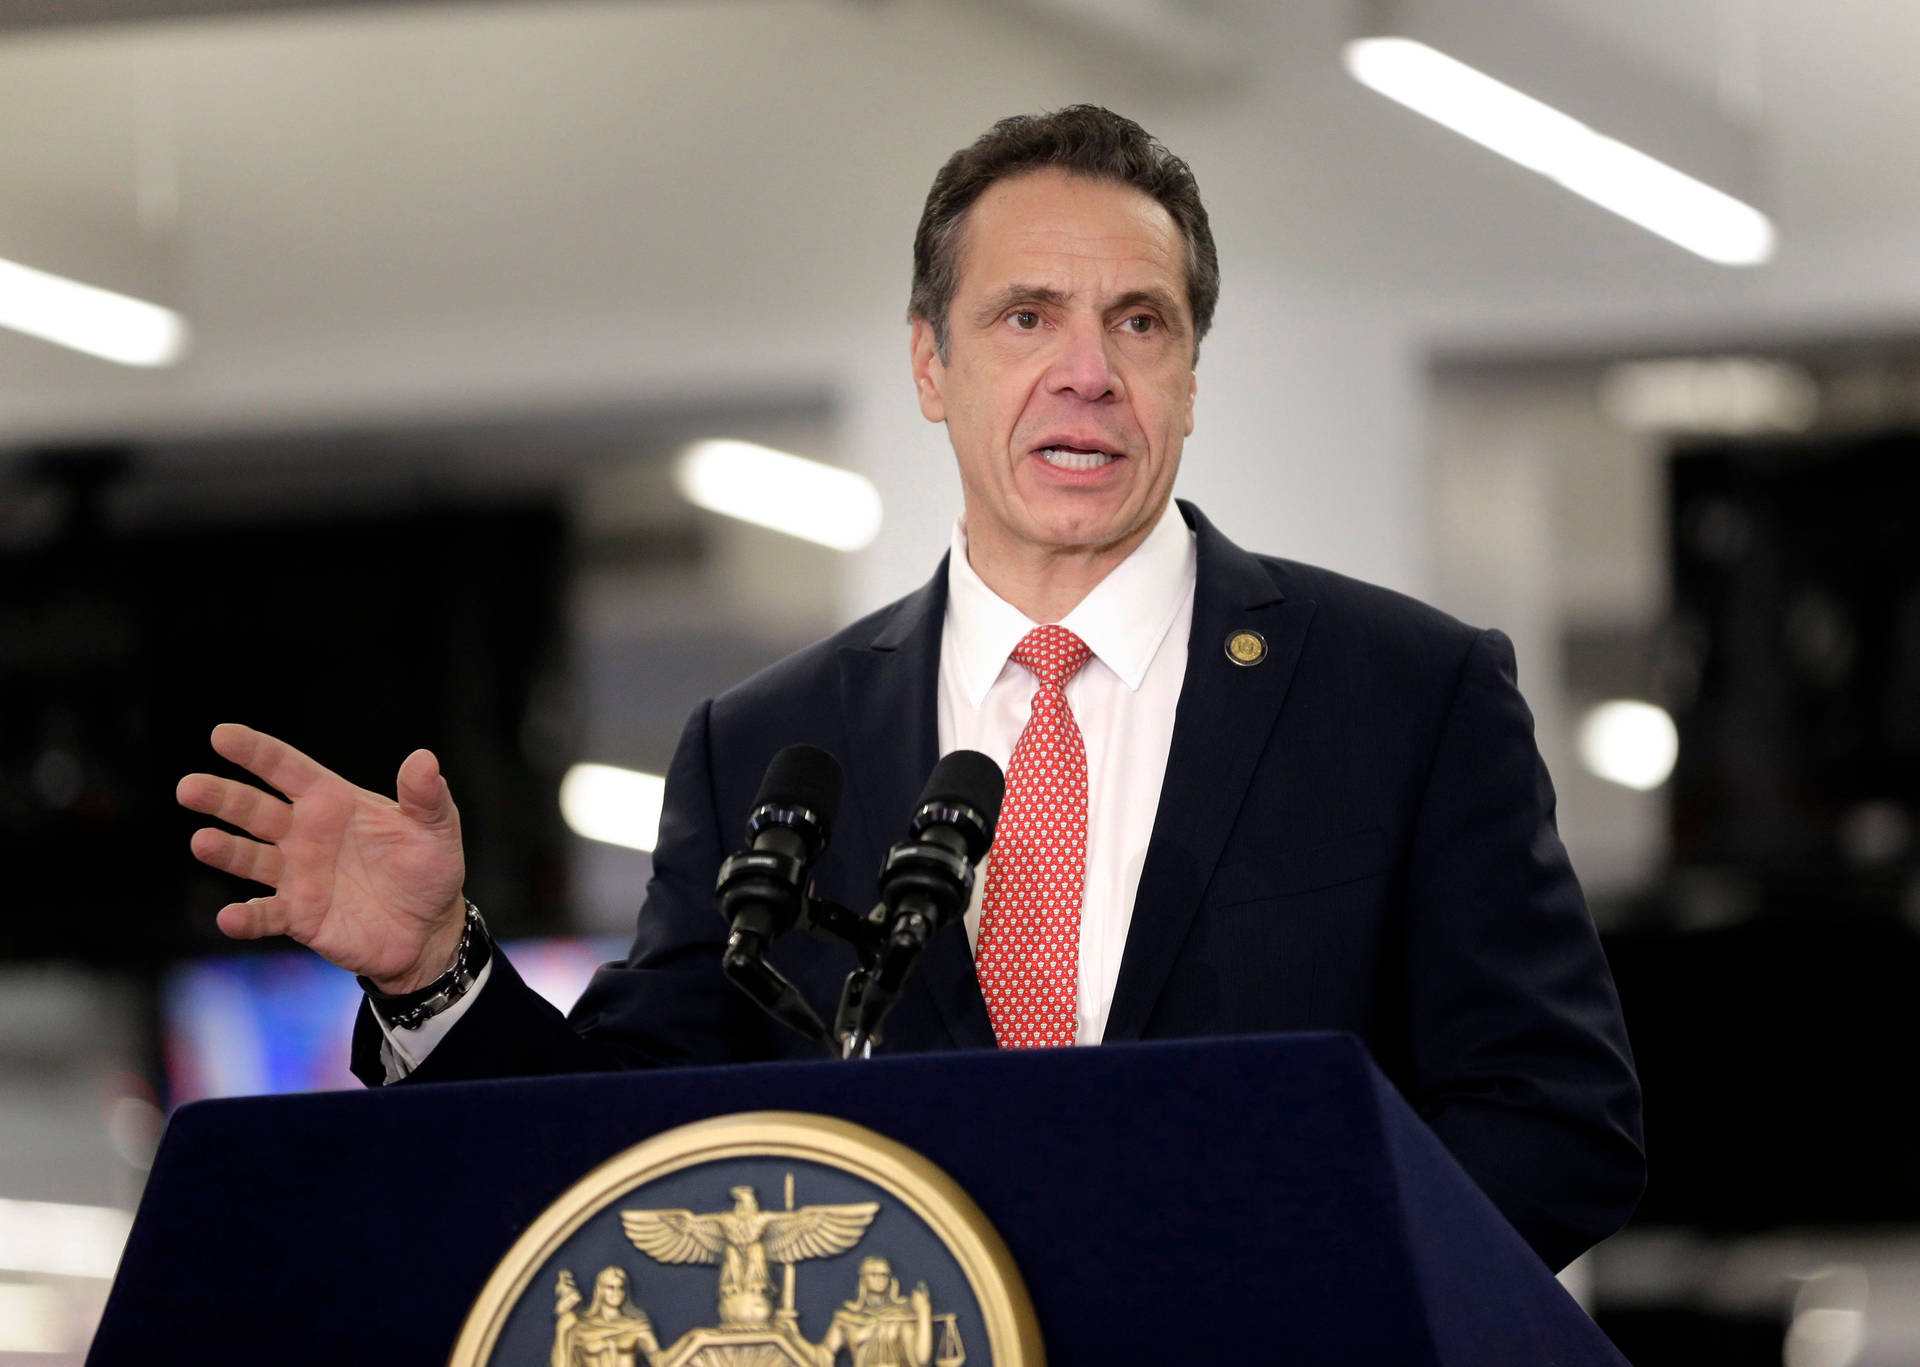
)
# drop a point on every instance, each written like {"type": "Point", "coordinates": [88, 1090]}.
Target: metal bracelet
{"type": "Point", "coordinates": [411, 1010]}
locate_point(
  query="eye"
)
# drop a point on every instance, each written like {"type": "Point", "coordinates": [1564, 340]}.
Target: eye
{"type": "Point", "coordinates": [1141, 324]}
{"type": "Point", "coordinates": [1025, 319]}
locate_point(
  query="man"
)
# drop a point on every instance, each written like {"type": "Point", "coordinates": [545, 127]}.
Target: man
{"type": "Point", "coordinates": [1245, 795]}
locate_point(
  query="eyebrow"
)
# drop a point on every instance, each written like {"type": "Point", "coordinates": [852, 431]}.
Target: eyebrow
{"type": "Point", "coordinates": [1019, 294]}
{"type": "Point", "coordinates": [1158, 300]}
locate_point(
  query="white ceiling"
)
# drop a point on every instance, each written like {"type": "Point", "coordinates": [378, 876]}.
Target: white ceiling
{"type": "Point", "coordinates": [460, 205]}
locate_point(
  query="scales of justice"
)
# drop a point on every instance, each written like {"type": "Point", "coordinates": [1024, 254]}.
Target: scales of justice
{"type": "Point", "coordinates": [877, 1327]}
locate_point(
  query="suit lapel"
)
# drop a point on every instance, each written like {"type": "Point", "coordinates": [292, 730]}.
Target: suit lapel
{"type": "Point", "coordinates": [888, 693]}
{"type": "Point", "coordinates": [1221, 727]}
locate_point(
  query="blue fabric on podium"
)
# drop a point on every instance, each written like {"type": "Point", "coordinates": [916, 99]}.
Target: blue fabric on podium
{"type": "Point", "coordinates": [1268, 1199]}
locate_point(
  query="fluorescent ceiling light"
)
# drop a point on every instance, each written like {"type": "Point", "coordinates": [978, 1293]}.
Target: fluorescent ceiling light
{"type": "Point", "coordinates": [618, 806]}
{"type": "Point", "coordinates": [114, 327]}
{"type": "Point", "coordinates": [35, 1319]}
{"type": "Point", "coordinates": [1825, 1336]}
{"type": "Point", "coordinates": [788, 493]}
{"type": "Point", "coordinates": [1728, 395]}
{"type": "Point", "coordinates": [1618, 178]}
{"type": "Point", "coordinates": [1630, 743]}
{"type": "Point", "coordinates": [1829, 1326]}
{"type": "Point", "coordinates": [62, 1240]}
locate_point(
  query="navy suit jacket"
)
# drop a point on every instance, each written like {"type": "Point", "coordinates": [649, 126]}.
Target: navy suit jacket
{"type": "Point", "coordinates": [1356, 833]}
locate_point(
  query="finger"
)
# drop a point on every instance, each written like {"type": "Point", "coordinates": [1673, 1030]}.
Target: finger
{"type": "Point", "coordinates": [423, 791]}
{"type": "Point", "coordinates": [268, 758]}
{"type": "Point", "coordinates": [252, 919]}
{"type": "Point", "coordinates": [237, 804]}
{"type": "Point", "coordinates": [243, 858]}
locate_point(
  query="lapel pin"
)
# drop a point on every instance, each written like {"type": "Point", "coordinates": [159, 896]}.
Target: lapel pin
{"type": "Point", "coordinates": [1246, 647]}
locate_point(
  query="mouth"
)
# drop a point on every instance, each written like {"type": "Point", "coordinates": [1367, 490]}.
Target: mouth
{"type": "Point", "coordinates": [1070, 456]}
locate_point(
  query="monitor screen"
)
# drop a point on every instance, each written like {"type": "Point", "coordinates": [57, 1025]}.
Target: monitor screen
{"type": "Point", "coordinates": [254, 1024]}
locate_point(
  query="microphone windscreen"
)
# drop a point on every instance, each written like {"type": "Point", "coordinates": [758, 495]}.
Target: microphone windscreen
{"type": "Point", "coordinates": [970, 779]}
{"type": "Point", "coordinates": [802, 776]}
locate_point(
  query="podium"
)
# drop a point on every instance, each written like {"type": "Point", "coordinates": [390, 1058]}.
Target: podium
{"type": "Point", "coordinates": [1267, 1200]}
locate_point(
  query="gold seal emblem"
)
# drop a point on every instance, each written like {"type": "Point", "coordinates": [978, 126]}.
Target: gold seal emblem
{"type": "Point", "coordinates": [664, 1308]}
{"type": "Point", "coordinates": [1246, 647]}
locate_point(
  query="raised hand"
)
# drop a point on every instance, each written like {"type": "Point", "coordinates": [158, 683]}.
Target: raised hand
{"type": "Point", "coordinates": [366, 882]}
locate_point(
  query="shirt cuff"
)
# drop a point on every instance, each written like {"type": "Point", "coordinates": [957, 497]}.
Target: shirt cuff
{"type": "Point", "coordinates": [401, 1051]}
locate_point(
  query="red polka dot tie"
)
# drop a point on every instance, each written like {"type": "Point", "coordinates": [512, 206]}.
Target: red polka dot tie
{"type": "Point", "coordinates": [1028, 954]}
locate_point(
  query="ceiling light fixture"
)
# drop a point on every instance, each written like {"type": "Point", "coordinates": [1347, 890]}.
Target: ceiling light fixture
{"type": "Point", "coordinates": [613, 805]}
{"type": "Point", "coordinates": [787, 493]}
{"type": "Point", "coordinates": [1604, 170]}
{"type": "Point", "coordinates": [86, 318]}
{"type": "Point", "coordinates": [1710, 395]}
{"type": "Point", "coordinates": [62, 1240]}
{"type": "Point", "coordinates": [1615, 127]}
{"type": "Point", "coordinates": [35, 1319]}
{"type": "Point", "coordinates": [1629, 742]}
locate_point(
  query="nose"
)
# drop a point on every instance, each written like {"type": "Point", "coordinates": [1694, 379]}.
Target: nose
{"type": "Point", "coordinates": [1083, 364]}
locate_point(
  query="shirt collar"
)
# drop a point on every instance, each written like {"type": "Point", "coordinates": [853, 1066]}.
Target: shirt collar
{"type": "Point", "coordinates": [1123, 620]}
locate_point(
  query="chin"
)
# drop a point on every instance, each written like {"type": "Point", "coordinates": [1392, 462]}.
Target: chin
{"type": "Point", "coordinates": [1080, 536]}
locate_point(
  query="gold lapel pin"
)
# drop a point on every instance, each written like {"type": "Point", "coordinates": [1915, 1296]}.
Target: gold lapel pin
{"type": "Point", "coordinates": [1246, 647]}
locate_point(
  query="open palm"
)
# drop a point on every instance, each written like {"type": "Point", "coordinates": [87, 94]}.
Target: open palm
{"type": "Point", "coordinates": [367, 882]}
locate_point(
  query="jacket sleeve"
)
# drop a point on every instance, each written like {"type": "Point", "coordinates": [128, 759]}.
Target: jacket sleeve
{"type": "Point", "coordinates": [666, 1003]}
{"type": "Point", "coordinates": [1520, 1058]}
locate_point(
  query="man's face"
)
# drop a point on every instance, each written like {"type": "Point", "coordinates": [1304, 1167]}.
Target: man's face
{"type": "Point", "coordinates": [1068, 386]}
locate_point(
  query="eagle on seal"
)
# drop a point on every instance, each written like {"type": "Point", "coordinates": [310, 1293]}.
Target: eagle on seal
{"type": "Point", "coordinates": [744, 1241]}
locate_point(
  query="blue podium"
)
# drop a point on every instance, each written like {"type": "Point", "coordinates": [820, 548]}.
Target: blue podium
{"type": "Point", "coordinates": [1237, 1200]}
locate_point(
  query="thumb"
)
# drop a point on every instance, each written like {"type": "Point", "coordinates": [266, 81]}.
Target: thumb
{"type": "Point", "coordinates": [422, 791]}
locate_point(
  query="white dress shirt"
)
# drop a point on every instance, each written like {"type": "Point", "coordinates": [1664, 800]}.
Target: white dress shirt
{"type": "Point", "coordinates": [1136, 623]}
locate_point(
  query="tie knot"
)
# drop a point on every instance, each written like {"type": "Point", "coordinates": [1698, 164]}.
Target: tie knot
{"type": "Point", "coordinates": [1053, 653]}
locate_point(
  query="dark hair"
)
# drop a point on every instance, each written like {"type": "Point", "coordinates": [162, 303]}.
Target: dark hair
{"type": "Point", "coordinates": [1082, 139]}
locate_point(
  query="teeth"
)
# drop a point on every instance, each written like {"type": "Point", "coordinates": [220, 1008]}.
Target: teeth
{"type": "Point", "coordinates": [1074, 460]}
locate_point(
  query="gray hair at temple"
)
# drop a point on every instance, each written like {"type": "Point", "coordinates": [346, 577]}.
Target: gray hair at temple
{"type": "Point", "coordinates": [1084, 140]}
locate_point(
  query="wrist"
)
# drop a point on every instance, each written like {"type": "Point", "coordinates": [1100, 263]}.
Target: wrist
{"type": "Point", "coordinates": [409, 1009]}
{"type": "Point", "coordinates": [437, 957]}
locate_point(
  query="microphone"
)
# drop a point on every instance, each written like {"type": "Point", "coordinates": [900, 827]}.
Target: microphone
{"type": "Point", "coordinates": [926, 882]}
{"type": "Point", "coordinates": [927, 879]}
{"type": "Point", "coordinates": [762, 889]}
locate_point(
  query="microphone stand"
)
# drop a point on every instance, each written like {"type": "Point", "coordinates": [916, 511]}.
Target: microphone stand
{"type": "Point", "coordinates": [746, 967]}
{"type": "Point", "coordinates": [926, 883]}
{"type": "Point", "coordinates": [868, 937]}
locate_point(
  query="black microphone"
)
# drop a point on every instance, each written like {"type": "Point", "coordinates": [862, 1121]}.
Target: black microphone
{"type": "Point", "coordinates": [763, 888]}
{"type": "Point", "coordinates": [926, 882]}
{"type": "Point", "coordinates": [927, 879]}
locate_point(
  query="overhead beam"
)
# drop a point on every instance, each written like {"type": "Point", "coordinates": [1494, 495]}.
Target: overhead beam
{"type": "Point", "coordinates": [17, 15]}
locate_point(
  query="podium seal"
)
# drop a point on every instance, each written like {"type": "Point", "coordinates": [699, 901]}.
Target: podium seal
{"type": "Point", "coordinates": [767, 1239]}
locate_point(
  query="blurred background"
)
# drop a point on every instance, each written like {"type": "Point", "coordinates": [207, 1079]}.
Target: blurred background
{"type": "Point", "coordinates": [440, 342]}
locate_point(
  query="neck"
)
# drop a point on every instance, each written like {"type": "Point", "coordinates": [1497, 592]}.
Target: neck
{"type": "Point", "coordinates": [1044, 583]}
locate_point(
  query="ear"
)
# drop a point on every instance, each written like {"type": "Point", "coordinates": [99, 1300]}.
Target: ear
{"type": "Point", "coordinates": [1193, 388]}
{"type": "Point", "coordinates": [929, 372]}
